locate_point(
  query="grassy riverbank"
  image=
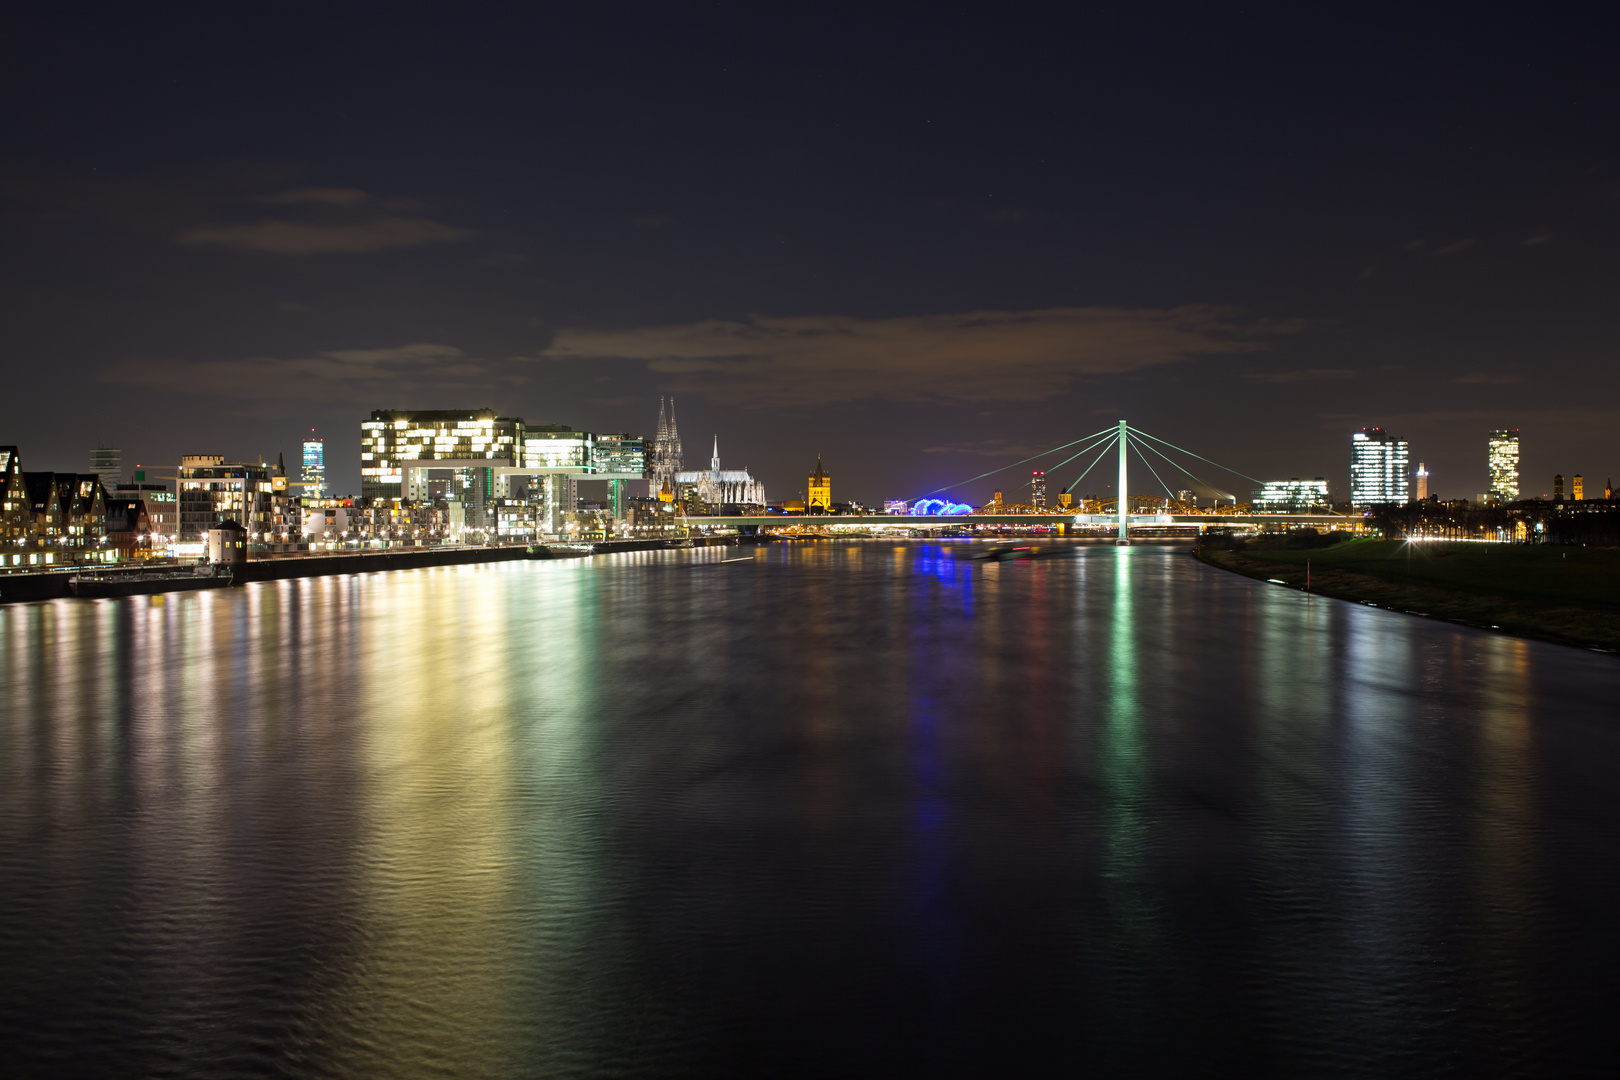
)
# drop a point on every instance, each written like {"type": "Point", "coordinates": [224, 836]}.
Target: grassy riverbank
{"type": "Point", "coordinates": [1570, 595]}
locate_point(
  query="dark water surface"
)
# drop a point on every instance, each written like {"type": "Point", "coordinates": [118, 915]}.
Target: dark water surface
{"type": "Point", "coordinates": [853, 808]}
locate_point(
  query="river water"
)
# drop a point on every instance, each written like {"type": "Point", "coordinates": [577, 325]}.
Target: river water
{"type": "Point", "coordinates": [830, 809]}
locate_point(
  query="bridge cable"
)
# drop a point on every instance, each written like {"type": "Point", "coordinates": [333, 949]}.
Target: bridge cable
{"type": "Point", "coordinates": [1156, 476]}
{"type": "Point", "coordinates": [1200, 457]}
{"type": "Point", "coordinates": [1070, 489]}
{"type": "Point", "coordinates": [1200, 480]}
{"type": "Point", "coordinates": [1112, 437]}
{"type": "Point", "coordinates": [1015, 464]}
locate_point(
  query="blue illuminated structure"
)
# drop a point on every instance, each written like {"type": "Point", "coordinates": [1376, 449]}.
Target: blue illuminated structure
{"type": "Point", "coordinates": [939, 508]}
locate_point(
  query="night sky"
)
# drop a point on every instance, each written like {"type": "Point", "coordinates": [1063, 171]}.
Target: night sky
{"type": "Point", "coordinates": [919, 242]}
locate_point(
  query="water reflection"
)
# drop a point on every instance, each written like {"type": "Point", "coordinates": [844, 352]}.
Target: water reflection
{"type": "Point", "coordinates": [836, 808]}
{"type": "Point", "coordinates": [1131, 918]}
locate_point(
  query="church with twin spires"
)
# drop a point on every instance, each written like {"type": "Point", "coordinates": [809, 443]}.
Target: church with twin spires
{"type": "Point", "coordinates": [713, 486]}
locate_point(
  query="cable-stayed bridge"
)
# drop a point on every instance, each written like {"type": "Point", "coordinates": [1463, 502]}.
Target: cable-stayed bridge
{"type": "Point", "coordinates": [1120, 441]}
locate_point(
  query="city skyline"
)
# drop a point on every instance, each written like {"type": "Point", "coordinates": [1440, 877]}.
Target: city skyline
{"type": "Point", "coordinates": [927, 271]}
{"type": "Point", "coordinates": [1504, 483]}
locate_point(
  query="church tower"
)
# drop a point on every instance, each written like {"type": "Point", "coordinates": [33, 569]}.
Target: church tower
{"type": "Point", "coordinates": [819, 492]}
{"type": "Point", "coordinates": [665, 460]}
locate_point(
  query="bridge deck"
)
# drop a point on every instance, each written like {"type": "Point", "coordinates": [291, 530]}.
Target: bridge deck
{"type": "Point", "coordinates": [1097, 521]}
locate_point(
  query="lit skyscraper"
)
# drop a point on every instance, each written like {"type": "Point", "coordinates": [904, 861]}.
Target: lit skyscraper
{"type": "Point", "coordinates": [1504, 464]}
{"type": "Point", "coordinates": [315, 464]}
{"type": "Point", "coordinates": [1378, 468]}
{"type": "Point", "coordinates": [1037, 488]}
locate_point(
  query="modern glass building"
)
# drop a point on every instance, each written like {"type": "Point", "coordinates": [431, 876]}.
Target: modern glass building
{"type": "Point", "coordinates": [558, 447]}
{"type": "Point", "coordinates": [1378, 468]}
{"type": "Point", "coordinates": [314, 465]}
{"type": "Point", "coordinates": [1037, 488]}
{"type": "Point", "coordinates": [392, 437]}
{"type": "Point", "coordinates": [1293, 496]}
{"type": "Point", "coordinates": [1504, 464]}
{"type": "Point", "coordinates": [476, 459]}
{"type": "Point", "coordinates": [472, 444]}
{"type": "Point", "coordinates": [212, 491]}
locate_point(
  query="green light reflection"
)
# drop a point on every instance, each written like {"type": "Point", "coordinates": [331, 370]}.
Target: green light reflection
{"type": "Point", "coordinates": [1133, 922]}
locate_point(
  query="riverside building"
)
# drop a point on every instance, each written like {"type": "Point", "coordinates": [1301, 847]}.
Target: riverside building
{"type": "Point", "coordinates": [314, 465]}
{"type": "Point", "coordinates": [16, 517]}
{"type": "Point", "coordinates": [715, 487]}
{"type": "Point", "coordinates": [1503, 463]}
{"type": "Point", "coordinates": [665, 459]}
{"type": "Point", "coordinates": [699, 490]}
{"type": "Point", "coordinates": [211, 491]}
{"type": "Point", "coordinates": [474, 459]}
{"type": "Point", "coordinates": [1378, 468]}
{"type": "Point", "coordinates": [468, 444]}
{"type": "Point", "coordinates": [1293, 496]}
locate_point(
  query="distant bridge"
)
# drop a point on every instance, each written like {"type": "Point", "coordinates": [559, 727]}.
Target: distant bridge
{"type": "Point", "coordinates": [1105, 522]}
{"type": "Point", "coordinates": [1121, 522]}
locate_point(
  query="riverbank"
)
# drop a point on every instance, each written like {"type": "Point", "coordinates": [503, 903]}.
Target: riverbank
{"type": "Point", "coordinates": [1567, 595]}
{"type": "Point", "coordinates": [53, 584]}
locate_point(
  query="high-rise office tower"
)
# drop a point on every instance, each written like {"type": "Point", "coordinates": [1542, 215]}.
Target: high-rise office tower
{"type": "Point", "coordinates": [1378, 468]}
{"type": "Point", "coordinates": [1577, 488]}
{"type": "Point", "coordinates": [1422, 483]}
{"type": "Point", "coordinates": [1037, 488]}
{"type": "Point", "coordinates": [1504, 464]}
{"type": "Point", "coordinates": [104, 462]}
{"type": "Point", "coordinates": [314, 465]}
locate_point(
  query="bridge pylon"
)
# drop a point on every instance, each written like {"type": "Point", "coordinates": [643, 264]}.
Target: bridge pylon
{"type": "Point", "coordinates": [1124, 502]}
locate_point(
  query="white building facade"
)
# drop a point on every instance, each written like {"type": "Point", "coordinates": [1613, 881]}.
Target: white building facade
{"type": "Point", "coordinates": [1379, 468]}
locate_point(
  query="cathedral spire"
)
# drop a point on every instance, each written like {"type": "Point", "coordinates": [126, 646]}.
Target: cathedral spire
{"type": "Point", "coordinates": [714, 463]}
{"type": "Point", "coordinates": [664, 460]}
{"type": "Point", "coordinates": [674, 435]}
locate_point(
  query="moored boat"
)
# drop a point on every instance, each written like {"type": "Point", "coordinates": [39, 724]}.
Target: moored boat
{"type": "Point", "coordinates": [93, 586]}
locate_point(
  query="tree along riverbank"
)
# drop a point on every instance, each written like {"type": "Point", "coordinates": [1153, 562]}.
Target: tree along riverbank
{"type": "Point", "coordinates": [1568, 595]}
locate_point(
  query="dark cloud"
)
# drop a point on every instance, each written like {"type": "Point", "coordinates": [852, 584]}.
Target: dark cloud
{"type": "Point", "coordinates": [1421, 247]}
{"type": "Point", "coordinates": [1301, 375]}
{"type": "Point", "coordinates": [353, 375]}
{"type": "Point", "coordinates": [1453, 247]}
{"type": "Point", "coordinates": [326, 196]}
{"type": "Point", "coordinates": [319, 238]}
{"type": "Point", "coordinates": [1488, 378]}
{"type": "Point", "coordinates": [973, 357]}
